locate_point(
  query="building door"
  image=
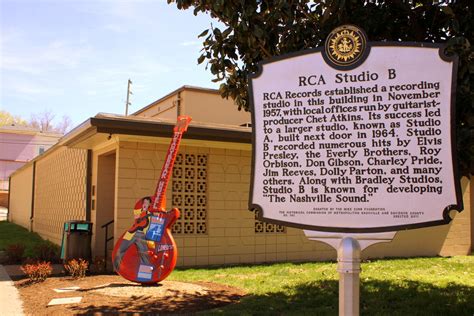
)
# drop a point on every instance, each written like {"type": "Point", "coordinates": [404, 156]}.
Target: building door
{"type": "Point", "coordinates": [105, 203]}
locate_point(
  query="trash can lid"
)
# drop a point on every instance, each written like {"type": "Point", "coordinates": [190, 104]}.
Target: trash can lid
{"type": "Point", "coordinates": [78, 225]}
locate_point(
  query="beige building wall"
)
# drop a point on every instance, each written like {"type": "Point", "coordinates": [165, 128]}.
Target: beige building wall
{"type": "Point", "coordinates": [446, 240]}
{"type": "Point", "coordinates": [203, 105]}
{"type": "Point", "coordinates": [231, 236]}
{"type": "Point", "coordinates": [21, 197]}
{"type": "Point", "coordinates": [458, 241]}
{"type": "Point", "coordinates": [126, 171]}
{"type": "Point", "coordinates": [60, 193]}
{"type": "Point", "coordinates": [165, 108]}
{"type": "Point", "coordinates": [138, 168]}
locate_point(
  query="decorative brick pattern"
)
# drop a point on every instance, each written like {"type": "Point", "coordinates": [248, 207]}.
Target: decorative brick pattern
{"type": "Point", "coordinates": [21, 195]}
{"type": "Point", "coordinates": [189, 193]}
{"type": "Point", "coordinates": [60, 194]}
{"type": "Point", "coordinates": [458, 240]}
{"type": "Point", "coordinates": [263, 227]}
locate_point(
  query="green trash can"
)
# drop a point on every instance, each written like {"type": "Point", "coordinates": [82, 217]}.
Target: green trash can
{"type": "Point", "coordinates": [76, 243]}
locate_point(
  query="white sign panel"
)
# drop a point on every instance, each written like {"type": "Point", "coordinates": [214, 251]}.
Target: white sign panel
{"type": "Point", "coordinates": [365, 148]}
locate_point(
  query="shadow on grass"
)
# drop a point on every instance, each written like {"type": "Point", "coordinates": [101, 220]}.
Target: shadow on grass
{"type": "Point", "coordinates": [377, 298]}
{"type": "Point", "coordinates": [314, 298]}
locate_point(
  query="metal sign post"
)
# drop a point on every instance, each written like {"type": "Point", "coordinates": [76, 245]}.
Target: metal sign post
{"type": "Point", "coordinates": [349, 248]}
{"type": "Point", "coordinates": [348, 266]}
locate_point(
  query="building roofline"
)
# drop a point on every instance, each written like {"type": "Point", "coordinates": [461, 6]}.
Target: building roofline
{"type": "Point", "coordinates": [164, 128]}
{"type": "Point", "coordinates": [25, 130]}
{"type": "Point", "coordinates": [142, 126]}
{"type": "Point", "coordinates": [185, 87]}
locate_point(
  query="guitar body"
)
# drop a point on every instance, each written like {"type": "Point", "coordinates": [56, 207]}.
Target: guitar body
{"type": "Point", "coordinates": [147, 253]}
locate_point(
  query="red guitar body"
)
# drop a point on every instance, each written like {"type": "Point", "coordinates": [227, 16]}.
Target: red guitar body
{"type": "Point", "coordinates": [162, 254]}
{"type": "Point", "coordinates": [146, 252]}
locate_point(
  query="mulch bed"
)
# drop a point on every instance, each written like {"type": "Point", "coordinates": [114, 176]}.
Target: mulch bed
{"type": "Point", "coordinates": [111, 294]}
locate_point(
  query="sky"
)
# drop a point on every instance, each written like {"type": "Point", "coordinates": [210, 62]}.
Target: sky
{"type": "Point", "coordinates": [74, 57]}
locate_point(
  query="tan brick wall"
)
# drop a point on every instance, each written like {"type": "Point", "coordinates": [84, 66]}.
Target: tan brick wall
{"type": "Point", "coordinates": [458, 240]}
{"type": "Point", "coordinates": [231, 236]}
{"type": "Point", "coordinates": [20, 196]}
{"type": "Point", "coordinates": [138, 165]}
{"type": "Point", "coordinates": [166, 109]}
{"type": "Point", "coordinates": [203, 106]}
{"type": "Point", "coordinates": [446, 240]}
{"type": "Point", "coordinates": [4, 198]}
{"type": "Point", "coordinates": [60, 191]}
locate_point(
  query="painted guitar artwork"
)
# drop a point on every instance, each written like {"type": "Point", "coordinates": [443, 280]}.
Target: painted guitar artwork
{"type": "Point", "coordinates": [147, 253]}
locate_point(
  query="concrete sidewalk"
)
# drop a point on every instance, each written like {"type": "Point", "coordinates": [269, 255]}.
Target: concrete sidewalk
{"type": "Point", "coordinates": [3, 213]}
{"type": "Point", "coordinates": [10, 302]}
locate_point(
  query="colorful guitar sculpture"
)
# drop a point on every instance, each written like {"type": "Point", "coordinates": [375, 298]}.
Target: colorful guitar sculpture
{"type": "Point", "coordinates": [147, 253]}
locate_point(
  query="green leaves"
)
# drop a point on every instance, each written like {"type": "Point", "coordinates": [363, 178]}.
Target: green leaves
{"type": "Point", "coordinates": [258, 30]}
{"type": "Point", "coordinates": [204, 33]}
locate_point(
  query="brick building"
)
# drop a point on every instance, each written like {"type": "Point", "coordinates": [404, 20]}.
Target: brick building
{"type": "Point", "coordinates": [18, 145]}
{"type": "Point", "coordinates": [98, 171]}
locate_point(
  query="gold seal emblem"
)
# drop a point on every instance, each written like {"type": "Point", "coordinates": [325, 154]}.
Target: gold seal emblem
{"type": "Point", "coordinates": [345, 45]}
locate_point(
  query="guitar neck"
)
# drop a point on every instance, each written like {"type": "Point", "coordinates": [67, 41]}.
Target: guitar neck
{"type": "Point", "coordinates": [160, 193]}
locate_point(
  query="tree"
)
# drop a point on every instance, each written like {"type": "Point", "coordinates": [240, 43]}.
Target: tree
{"type": "Point", "coordinates": [64, 125]}
{"type": "Point", "coordinates": [257, 30]}
{"type": "Point", "coordinates": [42, 121]}
{"type": "Point", "coordinates": [7, 119]}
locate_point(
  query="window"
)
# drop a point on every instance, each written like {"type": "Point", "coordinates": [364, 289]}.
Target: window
{"type": "Point", "coordinates": [189, 193]}
{"type": "Point", "coordinates": [41, 150]}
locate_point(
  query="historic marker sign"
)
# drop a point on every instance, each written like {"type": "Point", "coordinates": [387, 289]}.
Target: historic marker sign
{"type": "Point", "coordinates": [355, 136]}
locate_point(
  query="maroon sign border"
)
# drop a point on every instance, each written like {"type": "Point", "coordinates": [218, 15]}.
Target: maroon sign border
{"type": "Point", "coordinates": [446, 210]}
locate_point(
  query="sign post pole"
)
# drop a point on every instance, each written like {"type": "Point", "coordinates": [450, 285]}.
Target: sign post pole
{"type": "Point", "coordinates": [348, 266]}
{"type": "Point", "coordinates": [349, 248]}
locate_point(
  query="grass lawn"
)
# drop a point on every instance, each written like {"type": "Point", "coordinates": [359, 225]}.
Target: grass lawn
{"type": "Point", "coordinates": [418, 286]}
{"type": "Point", "coordinates": [12, 234]}
{"type": "Point", "coordinates": [415, 286]}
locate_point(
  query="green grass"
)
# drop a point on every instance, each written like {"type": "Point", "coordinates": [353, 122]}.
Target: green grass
{"type": "Point", "coordinates": [415, 286]}
{"type": "Point", "coordinates": [418, 286]}
{"type": "Point", "coordinates": [13, 234]}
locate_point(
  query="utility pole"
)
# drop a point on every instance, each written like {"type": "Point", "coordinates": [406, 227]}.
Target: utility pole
{"type": "Point", "coordinates": [127, 103]}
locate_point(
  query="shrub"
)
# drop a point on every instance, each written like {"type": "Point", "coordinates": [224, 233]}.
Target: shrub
{"type": "Point", "coordinates": [15, 252]}
{"type": "Point", "coordinates": [46, 251]}
{"type": "Point", "coordinates": [37, 272]}
{"type": "Point", "coordinates": [77, 268]}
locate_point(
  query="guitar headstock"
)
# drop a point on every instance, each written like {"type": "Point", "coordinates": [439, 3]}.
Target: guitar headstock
{"type": "Point", "coordinates": [182, 124]}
